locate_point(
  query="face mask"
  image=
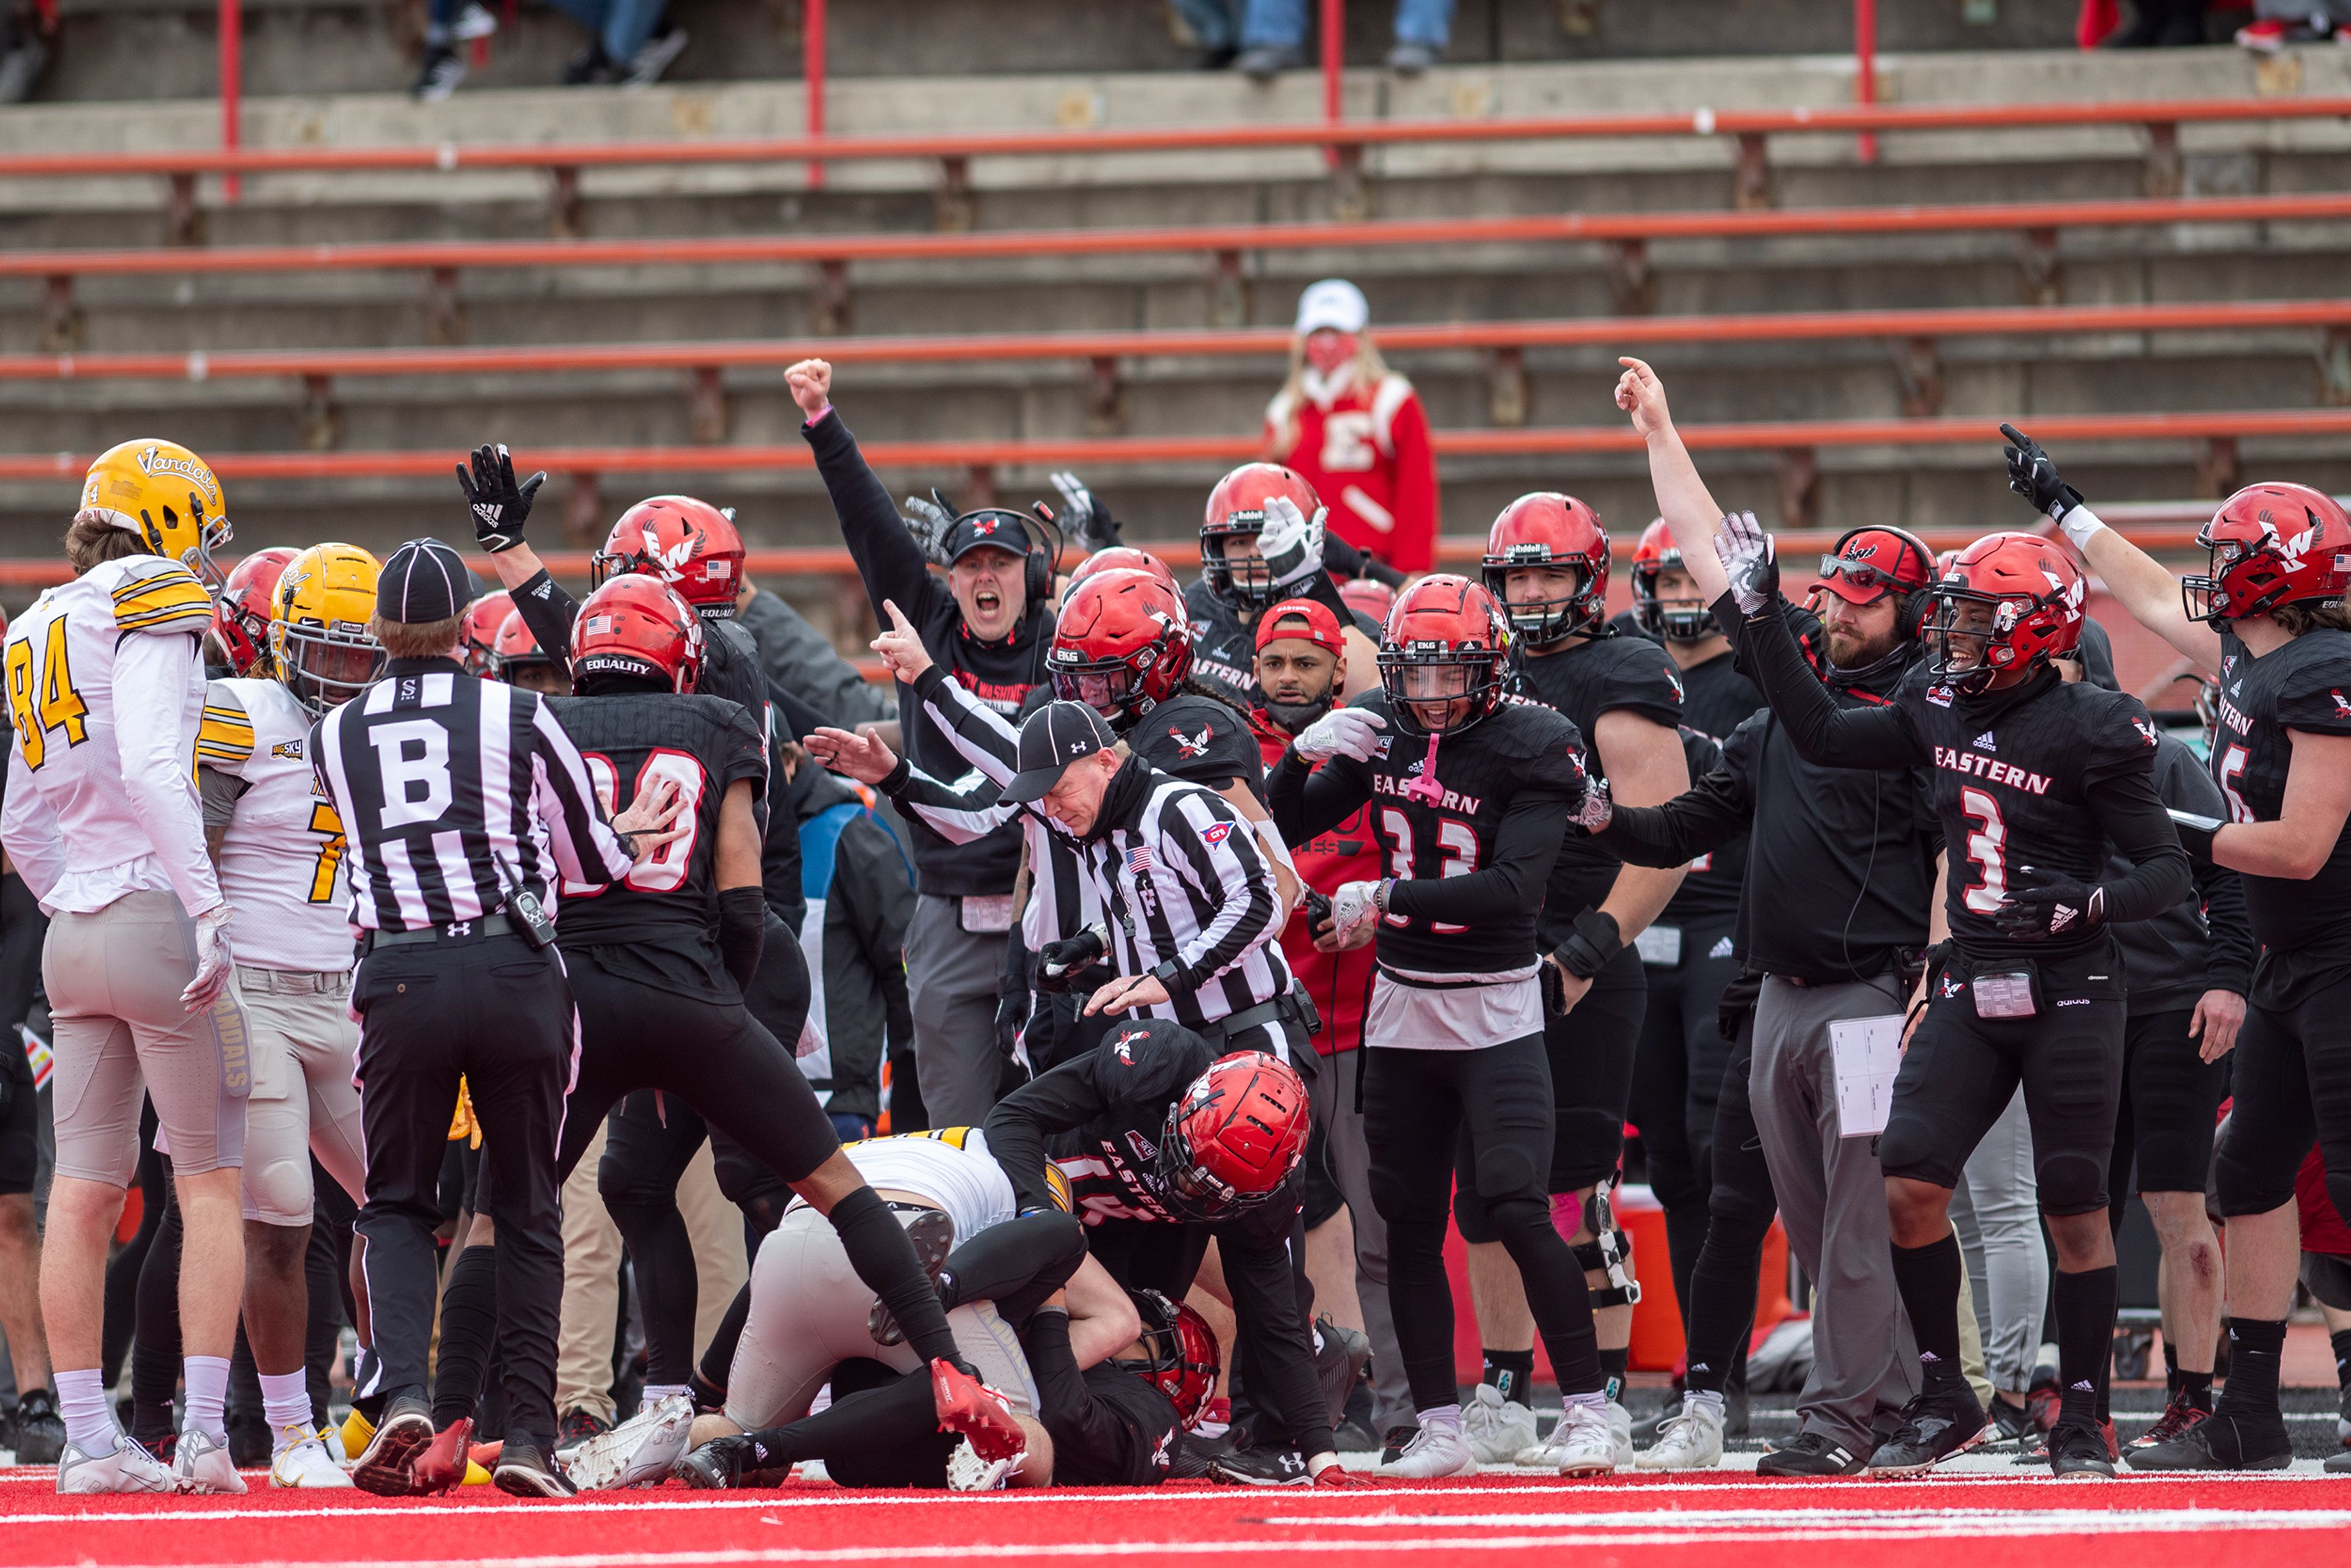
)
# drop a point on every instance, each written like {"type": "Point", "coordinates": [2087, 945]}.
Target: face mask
{"type": "Point", "coordinates": [1296, 716]}
{"type": "Point", "coordinates": [1326, 351]}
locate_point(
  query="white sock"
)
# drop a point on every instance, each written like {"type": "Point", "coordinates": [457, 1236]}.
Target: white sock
{"type": "Point", "coordinates": [655, 1393]}
{"type": "Point", "coordinates": [207, 1380]}
{"type": "Point", "coordinates": [1705, 1397]}
{"type": "Point", "coordinates": [1596, 1401]}
{"type": "Point", "coordinates": [1441, 1417]}
{"type": "Point", "coordinates": [286, 1396]}
{"type": "Point", "coordinates": [89, 1419]}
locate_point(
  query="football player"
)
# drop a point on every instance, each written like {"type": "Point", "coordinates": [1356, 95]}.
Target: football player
{"type": "Point", "coordinates": [1547, 563]}
{"type": "Point", "coordinates": [484, 616]}
{"type": "Point", "coordinates": [278, 846]}
{"type": "Point", "coordinates": [1263, 540]}
{"type": "Point", "coordinates": [516, 659]}
{"type": "Point", "coordinates": [1468, 789]}
{"type": "Point", "coordinates": [106, 683]}
{"type": "Point", "coordinates": [2267, 617]}
{"type": "Point", "coordinates": [241, 615]}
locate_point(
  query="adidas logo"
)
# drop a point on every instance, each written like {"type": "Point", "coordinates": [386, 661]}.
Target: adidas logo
{"type": "Point", "coordinates": [1984, 742]}
{"type": "Point", "coordinates": [2085, 1386]}
{"type": "Point", "coordinates": [1721, 948]}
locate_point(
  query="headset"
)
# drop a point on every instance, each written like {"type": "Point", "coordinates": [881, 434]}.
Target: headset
{"type": "Point", "coordinates": [1042, 544]}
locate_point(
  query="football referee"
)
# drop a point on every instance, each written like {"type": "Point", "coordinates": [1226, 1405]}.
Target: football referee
{"type": "Point", "coordinates": [462, 800]}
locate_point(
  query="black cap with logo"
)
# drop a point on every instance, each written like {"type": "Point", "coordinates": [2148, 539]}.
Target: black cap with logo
{"type": "Point", "coordinates": [1051, 739]}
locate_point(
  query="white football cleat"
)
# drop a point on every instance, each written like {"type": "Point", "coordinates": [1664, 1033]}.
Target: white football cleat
{"type": "Point", "coordinates": [640, 1452]}
{"type": "Point", "coordinates": [1689, 1441]}
{"type": "Point", "coordinates": [1586, 1442]}
{"type": "Point", "coordinates": [129, 1468]}
{"type": "Point", "coordinates": [201, 1465]}
{"type": "Point", "coordinates": [966, 1471]}
{"type": "Point", "coordinates": [1434, 1453]}
{"type": "Point", "coordinates": [303, 1460]}
{"type": "Point", "coordinates": [1497, 1429]}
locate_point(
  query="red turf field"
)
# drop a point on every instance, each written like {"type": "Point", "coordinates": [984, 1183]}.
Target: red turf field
{"type": "Point", "coordinates": [2283, 1522]}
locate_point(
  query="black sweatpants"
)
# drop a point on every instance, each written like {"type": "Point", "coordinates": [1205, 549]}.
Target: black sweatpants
{"type": "Point", "coordinates": [1417, 1105]}
{"type": "Point", "coordinates": [1676, 1086]}
{"type": "Point", "coordinates": [2292, 1080]}
{"type": "Point", "coordinates": [498, 1012]}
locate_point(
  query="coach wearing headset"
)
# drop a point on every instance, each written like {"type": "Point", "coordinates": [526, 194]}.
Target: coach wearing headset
{"type": "Point", "coordinates": [988, 624]}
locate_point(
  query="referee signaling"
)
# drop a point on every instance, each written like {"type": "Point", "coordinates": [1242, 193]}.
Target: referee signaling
{"type": "Point", "coordinates": [463, 801]}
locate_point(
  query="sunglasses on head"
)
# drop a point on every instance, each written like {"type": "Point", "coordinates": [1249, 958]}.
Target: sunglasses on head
{"type": "Point", "coordinates": [1860, 573]}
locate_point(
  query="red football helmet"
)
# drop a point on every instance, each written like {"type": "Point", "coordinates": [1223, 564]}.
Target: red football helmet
{"type": "Point", "coordinates": [1236, 505]}
{"type": "Point", "coordinates": [1126, 558]}
{"type": "Point", "coordinates": [1368, 596]}
{"type": "Point", "coordinates": [483, 618]}
{"type": "Point", "coordinates": [688, 544]}
{"type": "Point", "coordinates": [1547, 528]}
{"type": "Point", "coordinates": [1122, 646]}
{"type": "Point", "coordinates": [1444, 622]}
{"type": "Point", "coordinates": [515, 648]}
{"type": "Point", "coordinates": [2016, 597]}
{"type": "Point", "coordinates": [2271, 544]}
{"type": "Point", "coordinates": [636, 625]}
{"type": "Point", "coordinates": [1179, 1353]}
{"type": "Point", "coordinates": [1233, 1137]}
{"type": "Point", "coordinates": [241, 613]}
{"type": "Point", "coordinates": [1679, 621]}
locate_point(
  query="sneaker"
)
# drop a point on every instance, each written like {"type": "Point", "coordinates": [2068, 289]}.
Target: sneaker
{"type": "Point", "coordinates": [1934, 1428]}
{"type": "Point", "coordinates": [38, 1432]}
{"type": "Point", "coordinates": [1585, 1442]}
{"type": "Point", "coordinates": [442, 70]}
{"type": "Point", "coordinates": [1267, 61]}
{"type": "Point", "coordinates": [302, 1460]}
{"type": "Point", "coordinates": [2179, 1418]}
{"type": "Point", "coordinates": [1339, 1364]}
{"type": "Point", "coordinates": [1814, 1454]}
{"type": "Point", "coordinates": [2338, 1464]}
{"type": "Point", "coordinates": [446, 1462]}
{"type": "Point", "coordinates": [1690, 1441]}
{"type": "Point", "coordinates": [640, 1452]}
{"type": "Point", "coordinates": [716, 1465]}
{"type": "Point", "coordinates": [2079, 1451]}
{"type": "Point", "coordinates": [1496, 1429]}
{"type": "Point", "coordinates": [2221, 1442]}
{"type": "Point", "coordinates": [1436, 1452]}
{"type": "Point", "coordinates": [1409, 60]}
{"type": "Point", "coordinates": [203, 1465]}
{"type": "Point", "coordinates": [575, 1427]}
{"type": "Point", "coordinates": [592, 67]}
{"type": "Point", "coordinates": [524, 1471]}
{"type": "Point", "coordinates": [386, 1466]}
{"type": "Point", "coordinates": [1195, 1453]}
{"type": "Point", "coordinates": [2012, 1426]}
{"type": "Point", "coordinates": [966, 1471]}
{"type": "Point", "coordinates": [1259, 1468]}
{"type": "Point", "coordinates": [354, 1435]}
{"type": "Point", "coordinates": [970, 1408]}
{"type": "Point", "coordinates": [250, 1444]}
{"type": "Point", "coordinates": [474, 21]}
{"type": "Point", "coordinates": [129, 1468]}
{"type": "Point", "coordinates": [1354, 1437]}
{"type": "Point", "coordinates": [1399, 1437]}
{"type": "Point", "coordinates": [931, 1233]}
{"type": "Point", "coordinates": [2044, 1398]}
{"type": "Point", "coordinates": [654, 56]}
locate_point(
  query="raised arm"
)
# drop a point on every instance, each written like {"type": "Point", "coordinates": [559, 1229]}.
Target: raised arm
{"type": "Point", "coordinates": [887, 557]}
{"type": "Point", "coordinates": [1683, 499]}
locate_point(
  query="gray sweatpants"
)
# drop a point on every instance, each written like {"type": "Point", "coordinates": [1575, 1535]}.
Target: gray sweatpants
{"type": "Point", "coordinates": [1833, 1202]}
{"type": "Point", "coordinates": [1330, 1095]}
{"type": "Point", "coordinates": [951, 978]}
{"type": "Point", "coordinates": [1997, 1212]}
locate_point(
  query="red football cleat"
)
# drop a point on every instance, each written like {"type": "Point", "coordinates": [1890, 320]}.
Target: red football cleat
{"type": "Point", "coordinates": [442, 1466]}
{"type": "Point", "coordinates": [967, 1406]}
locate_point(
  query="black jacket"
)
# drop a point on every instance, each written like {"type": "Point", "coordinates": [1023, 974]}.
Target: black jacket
{"type": "Point", "coordinates": [867, 904]}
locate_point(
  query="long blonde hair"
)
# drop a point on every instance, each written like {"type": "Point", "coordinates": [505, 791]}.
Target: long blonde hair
{"type": "Point", "coordinates": [1369, 369]}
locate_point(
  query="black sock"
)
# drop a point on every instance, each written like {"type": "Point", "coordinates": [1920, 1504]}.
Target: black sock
{"type": "Point", "coordinates": [718, 1356]}
{"type": "Point", "coordinates": [1721, 1306]}
{"type": "Point", "coordinates": [878, 1250]}
{"type": "Point", "coordinates": [2085, 1305]}
{"type": "Point", "coordinates": [893, 1425]}
{"type": "Point", "coordinates": [1613, 1364]}
{"type": "Point", "coordinates": [2171, 1370]}
{"type": "Point", "coordinates": [2196, 1389]}
{"type": "Point", "coordinates": [1928, 1281]}
{"type": "Point", "coordinates": [2256, 1345]}
{"type": "Point", "coordinates": [469, 1322]}
{"type": "Point", "coordinates": [2341, 1340]}
{"type": "Point", "coordinates": [1512, 1373]}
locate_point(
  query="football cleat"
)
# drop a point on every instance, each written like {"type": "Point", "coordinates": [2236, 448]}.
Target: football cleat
{"type": "Point", "coordinates": [354, 1435]}
{"type": "Point", "coordinates": [1585, 1442]}
{"type": "Point", "coordinates": [386, 1467]}
{"type": "Point", "coordinates": [1434, 1453]}
{"type": "Point", "coordinates": [38, 1432]}
{"type": "Point", "coordinates": [1811, 1454]}
{"type": "Point", "coordinates": [1933, 1429]}
{"type": "Point", "coordinates": [1497, 1429]}
{"type": "Point", "coordinates": [129, 1468]}
{"type": "Point", "coordinates": [575, 1428]}
{"type": "Point", "coordinates": [2079, 1451]}
{"type": "Point", "coordinates": [1259, 1468]}
{"type": "Point", "coordinates": [968, 1406]}
{"type": "Point", "coordinates": [2012, 1426]}
{"type": "Point", "coordinates": [302, 1460]}
{"type": "Point", "coordinates": [931, 1233]}
{"type": "Point", "coordinates": [2220, 1442]}
{"type": "Point", "coordinates": [524, 1471]}
{"type": "Point", "coordinates": [446, 1462]}
{"type": "Point", "coordinates": [640, 1452]}
{"type": "Point", "coordinates": [966, 1471]}
{"type": "Point", "coordinates": [1690, 1441]}
{"type": "Point", "coordinates": [201, 1465]}
{"type": "Point", "coordinates": [2178, 1420]}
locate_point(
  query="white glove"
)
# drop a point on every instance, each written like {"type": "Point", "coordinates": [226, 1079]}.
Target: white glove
{"type": "Point", "coordinates": [1353, 903]}
{"type": "Point", "coordinates": [213, 960]}
{"type": "Point", "coordinates": [1343, 732]}
{"type": "Point", "coordinates": [1749, 561]}
{"type": "Point", "coordinates": [1593, 815]}
{"type": "Point", "coordinates": [1291, 543]}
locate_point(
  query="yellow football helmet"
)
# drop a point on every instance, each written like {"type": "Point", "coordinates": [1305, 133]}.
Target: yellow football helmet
{"type": "Point", "coordinates": [167, 495]}
{"type": "Point", "coordinates": [318, 625]}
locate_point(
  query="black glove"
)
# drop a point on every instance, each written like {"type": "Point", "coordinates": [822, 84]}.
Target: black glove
{"type": "Point", "coordinates": [501, 505]}
{"type": "Point", "coordinates": [1011, 1014]}
{"type": "Point", "coordinates": [1554, 988]}
{"type": "Point", "coordinates": [2044, 905]}
{"type": "Point", "coordinates": [1737, 1000]}
{"type": "Point", "coordinates": [1084, 514]}
{"type": "Point", "coordinates": [2031, 474]}
{"type": "Point", "coordinates": [1059, 962]}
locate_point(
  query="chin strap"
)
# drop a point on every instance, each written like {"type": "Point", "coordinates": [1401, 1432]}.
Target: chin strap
{"type": "Point", "coordinates": [1610, 1251]}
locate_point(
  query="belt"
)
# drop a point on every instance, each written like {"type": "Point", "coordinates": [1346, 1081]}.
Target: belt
{"type": "Point", "coordinates": [498, 925]}
{"type": "Point", "coordinates": [335, 984]}
{"type": "Point", "coordinates": [1283, 1008]}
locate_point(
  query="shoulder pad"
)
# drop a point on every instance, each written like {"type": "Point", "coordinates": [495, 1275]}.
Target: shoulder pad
{"type": "Point", "coordinates": [225, 734]}
{"type": "Point", "coordinates": [152, 594]}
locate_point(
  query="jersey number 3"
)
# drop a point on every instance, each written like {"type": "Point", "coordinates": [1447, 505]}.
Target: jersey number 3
{"type": "Point", "coordinates": [55, 706]}
{"type": "Point", "coordinates": [1987, 847]}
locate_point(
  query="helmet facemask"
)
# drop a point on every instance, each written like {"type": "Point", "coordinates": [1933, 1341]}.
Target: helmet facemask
{"type": "Point", "coordinates": [1542, 621]}
{"type": "Point", "coordinates": [1967, 637]}
{"type": "Point", "coordinates": [325, 666]}
{"type": "Point", "coordinates": [1244, 580]}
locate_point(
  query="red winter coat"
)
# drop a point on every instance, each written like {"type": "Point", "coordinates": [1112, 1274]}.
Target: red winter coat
{"type": "Point", "coordinates": [1366, 453]}
{"type": "Point", "coordinates": [1337, 981]}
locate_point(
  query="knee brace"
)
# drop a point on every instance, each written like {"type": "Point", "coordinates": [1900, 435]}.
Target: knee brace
{"type": "Point", "coordinates": [1610, 1251]}
{"type": "Point", "coordinates": [276, 1181]}
{"type": "Point", "coordinates": [2250, 1181]}
{"type": "Point", "coordinates": [2074, 1184]}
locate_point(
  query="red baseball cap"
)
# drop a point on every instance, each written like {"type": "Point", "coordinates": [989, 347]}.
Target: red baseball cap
{"type": "Point", "coordinates": [1869, 563]}
{"type": "Point", "coordinates": [1322, 627]}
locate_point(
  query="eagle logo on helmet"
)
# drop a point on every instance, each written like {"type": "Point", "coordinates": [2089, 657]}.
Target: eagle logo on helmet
{"type": "Point", "coordinates": [2292, 550]}
{"type": "Point", "coordinates": [672, 561]}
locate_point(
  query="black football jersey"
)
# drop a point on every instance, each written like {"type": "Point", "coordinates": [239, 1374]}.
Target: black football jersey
{"type": "Point", "coordinates": [2304, 685]}
{"type": "Point", "coordinates": [1717, 698]}
{"type": "Point", "coordinates": [1521, 746]}
{"type": "Point", "coordinates": [1589, 677]}
{"type": "Point", "coordinates": [1142, 1433]}
{"type": "Point", "coordinates": [1135, 1074]}
{"type": "Point", "coordinates": [1201, 741]}
{"type": "Point", "coordinates": [702, 743]}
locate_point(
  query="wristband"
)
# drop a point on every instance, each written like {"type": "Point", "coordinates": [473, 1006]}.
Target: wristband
{"type": "Point", "coordinates": [2080, 525]}
{"type": "Point", "coordinates": [897, 778]}
{"type": "Point", "coordinates": [1595, 943]}
{"type": "Point", "coordinates": [1170, 976]}
{"type": "Point", "coordinates": [2196, 833]}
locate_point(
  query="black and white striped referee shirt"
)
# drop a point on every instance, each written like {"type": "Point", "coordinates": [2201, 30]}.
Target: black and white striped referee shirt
{"type": "Point", "coordinates": [454, 790]}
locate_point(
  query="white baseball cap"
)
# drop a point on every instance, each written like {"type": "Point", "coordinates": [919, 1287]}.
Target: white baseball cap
{"type": "Point", "coordinates": [1335, 303]}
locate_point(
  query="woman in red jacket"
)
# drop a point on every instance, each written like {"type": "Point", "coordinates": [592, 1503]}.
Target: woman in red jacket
{"type": "Point", "coordinates": [1355, 431]}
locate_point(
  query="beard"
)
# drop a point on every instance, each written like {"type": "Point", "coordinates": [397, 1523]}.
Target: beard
{"type": "Point", "coordinates": [1850, 653]}
{"type": "Point", "coordinates": [1296, 716]}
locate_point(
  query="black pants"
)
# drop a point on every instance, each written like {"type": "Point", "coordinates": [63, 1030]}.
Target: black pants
{"type": "Point", "coordinates": [498, 1012]}
{"type": "Point", "coordinates": [1719, 1305]}
{"type": "Point", "coordinates": [2292, 1079]}
{"type": "Point", "coordinates": [1676, 1086]}
{"type": "Point", "coordinates": [1417, 1105]}
{"type": "Point", "coordinates": [2170, 1098]}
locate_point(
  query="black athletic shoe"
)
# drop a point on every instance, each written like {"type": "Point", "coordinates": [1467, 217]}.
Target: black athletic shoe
{"type": "Point", "coordinates": [1192, 1456]}
{"type": "Point", "coordinates": [1354, 1437]}
{"type": "Point", "coordinates": [576, 1426]}
{"type": "Point", "coordinates": [931, 1233]}
{"type": "Point", "coordinates": [1399, 1439]}
{"type": "Point", "coordinates": [1934, 1428]}
{"type": "Point", "coordinates": [249, 1444]}
{"type": "Point", "coordinates": [1259, 1468]}
{"type": "Point", "coordinates": [715, 1466]}
{"type": "Point", "coordinates": [2221, 1442]}
{"type": "Point", "coordinates": [2079, 1451]}
{"type": "Point", "coordinates": [1811, 1454]}
{"type": "Point", "coordinates": [1339, 1364]}
{"type": "Point", "coordinates": [2012, 1426]}
{"type": "Point", "coordinates": [387, 1467]}
{"type": "Point", "coordinates": [38, 1433]}
{"type": "Point", "coordinates": [524, 1471]}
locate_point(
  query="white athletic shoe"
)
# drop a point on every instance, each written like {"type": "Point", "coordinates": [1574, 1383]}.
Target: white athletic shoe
{"type": "Point", "coordinates": [1434, 1453]}
{"type": "Point", "coordinates": [303, 1460]}
{"type": "Point", "coordinates": [1496, 1427]}
{"type": "Point", "coordinates": [638, 1452]}
{"type": "Point", "coordinates": [1689, 1441]}
{"type": "Point", "coordinates": [1586, 1442]}
{"type": "Point", "coordinates": [129, 1468]}
{"type": "Point", "coordinates": [204, 1465]}
{"type": "Point", "coordinates": [1620, 1425]}
{"type": "Point", "coordinates": [966, 1471]}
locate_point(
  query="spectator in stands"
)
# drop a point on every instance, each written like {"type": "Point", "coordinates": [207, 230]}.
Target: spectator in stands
{"type": "Point", "coordinates": [448, 24]}
{"type": "Point", "coordinates": [23, 52]}
{"type": "Point", "coordinates": [1271, 37]}
{"type": "Point", "coordinates": [630, 42]}
{"type": "Point", "coordinates": [2277, 23]}
{"type": "Point", "coordinates": [1354, 430]}
{"type": "Point", "coordinates": [803, 661]}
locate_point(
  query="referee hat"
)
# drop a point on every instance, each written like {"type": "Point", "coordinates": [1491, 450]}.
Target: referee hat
{"type": "Point", "coordinates": [1051, 739]}
{"type": "Point", "coordinates": [424, 581]}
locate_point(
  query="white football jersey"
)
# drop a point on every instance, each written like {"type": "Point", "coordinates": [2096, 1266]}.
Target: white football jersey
{"type": "Point", "coordinates": [281, 863]}
{"type": "Point", "coordinates": [105, 679]}
{"type": "Point", "coordinates": [949, 1165]}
